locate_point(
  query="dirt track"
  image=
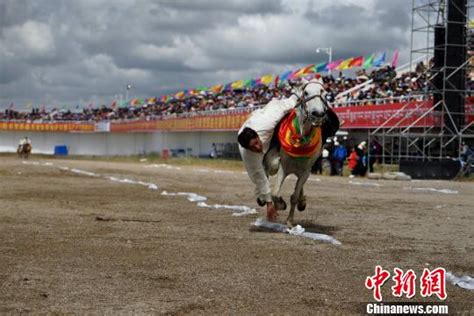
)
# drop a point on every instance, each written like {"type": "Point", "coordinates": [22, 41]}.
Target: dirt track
{"type": "Point", "coordinates": [75, 243]}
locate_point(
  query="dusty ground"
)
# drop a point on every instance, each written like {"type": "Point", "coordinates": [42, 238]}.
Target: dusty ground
{"type": "Point", "coordinates": [159, 254]}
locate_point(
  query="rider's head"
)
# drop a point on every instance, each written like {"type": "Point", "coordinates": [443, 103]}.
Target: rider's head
{"type": "Point", "coordinates": [249, 139]}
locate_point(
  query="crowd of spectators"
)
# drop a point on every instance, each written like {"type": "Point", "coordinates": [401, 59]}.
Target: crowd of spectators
{"type": "Point", "coordinates": [384, 84]}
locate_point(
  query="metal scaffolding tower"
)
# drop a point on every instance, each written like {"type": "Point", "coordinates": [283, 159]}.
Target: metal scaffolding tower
{"type": "Point", "coordinates": [434, 124]}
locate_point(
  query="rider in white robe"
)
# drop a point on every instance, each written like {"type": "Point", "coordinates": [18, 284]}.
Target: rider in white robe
{"type": "Point", "coordinates": [24, 141]}
{"type": "Point", "coordinates": [263, 122]}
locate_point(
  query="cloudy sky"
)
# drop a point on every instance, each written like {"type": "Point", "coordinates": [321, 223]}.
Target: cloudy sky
{"type": "Point", "coordinates": [59, 52]}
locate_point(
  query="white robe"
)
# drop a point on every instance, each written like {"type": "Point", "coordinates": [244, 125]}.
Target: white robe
{"type": "Point", "coordinates": [263, 121]}
{"type": "Point", "coordinates": [24, 141]}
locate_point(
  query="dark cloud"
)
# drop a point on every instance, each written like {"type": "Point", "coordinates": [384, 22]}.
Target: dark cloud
{"type": "Point", "coordinates": [54, 51]}
{"type": "Point", "coordinates": [236, 7]}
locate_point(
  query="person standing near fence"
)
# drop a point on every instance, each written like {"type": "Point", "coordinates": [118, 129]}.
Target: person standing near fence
{"type": "Point", "coordinates": [375, 151]}
{"type": "Point", "coordinates": [339, 155]}
{"type": "Point", "coordinates": [352, 162]}
{"type": "Point", "coordinates": [361, 167]}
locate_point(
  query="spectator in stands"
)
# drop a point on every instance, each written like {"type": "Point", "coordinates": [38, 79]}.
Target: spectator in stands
{"type": "Point", "coordinates": [386, 86]}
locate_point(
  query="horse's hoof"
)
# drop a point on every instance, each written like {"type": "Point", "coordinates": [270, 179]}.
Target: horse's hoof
{"type": "Point", "coordinates": [279, 203]}
{"type": "Point", "coordinates": [289, 224]}
{"type": "Point", "coordinates": [261, 202]}
{"type": "Point", "coordinates": [301, 205]}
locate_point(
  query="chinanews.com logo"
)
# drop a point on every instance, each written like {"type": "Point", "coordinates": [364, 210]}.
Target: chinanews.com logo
{"type": "Point", "coordinates": [431, 283]}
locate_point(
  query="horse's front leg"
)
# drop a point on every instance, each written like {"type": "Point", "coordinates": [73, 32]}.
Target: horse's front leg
{"type": "Point", "coordinates": [295, 197]}
{"type": "Point", "coordinates": [278, 201]}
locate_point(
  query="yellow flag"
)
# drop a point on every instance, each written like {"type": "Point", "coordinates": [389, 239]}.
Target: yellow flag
{"type": "Point", "coordinates": [237, 84]}
{"type": "Point", "coordinates": [267, 79]}
{"type": "Point", "coordinates": [345, 64]}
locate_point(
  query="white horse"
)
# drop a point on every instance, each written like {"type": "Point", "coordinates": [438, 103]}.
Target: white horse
{"type": "Point", "coordinates": [312, 121]}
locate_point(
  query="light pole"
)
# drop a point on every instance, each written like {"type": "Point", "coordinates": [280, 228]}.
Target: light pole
{"type": "Point", "coordinates": [327, 50]}
{"type": "Point", "coordinates": [126, 92]}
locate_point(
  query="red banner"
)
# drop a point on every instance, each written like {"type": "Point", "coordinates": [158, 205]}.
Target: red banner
{"type": "Point", "coordinates": [391, 115]}
{"type": "Point", "coordinates": [47, 127]}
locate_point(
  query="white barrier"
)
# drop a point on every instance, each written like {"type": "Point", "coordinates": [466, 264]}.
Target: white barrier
{"type": "Point", "coordinates": [111, 144]}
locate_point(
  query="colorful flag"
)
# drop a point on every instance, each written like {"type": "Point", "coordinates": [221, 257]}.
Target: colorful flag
{"type": "Point", "coordinates": [321, 67]}
{"type": "Point", "coordinates": [239, 84]}
{"type": "Point", "coordinates": [395, 59]}
{"type": "Point", "coordinates": [113, 105]}
{"type": "Point", "coordinates": [136, 102]}
{"type": "Point", "coordinates": [368, 61]}
{"type": "Point", "coordinates": [228, 87]}
{"type": "Point", "coordinates": [249, 83]}
{"type": "Point", "coordinates": [266, 80]}
{"type": "Point", "coordinates": [180, 95]}
{"type": "Point", "coordinates": [297, 73]}
{"type": "Point", "coordinates": [378, 62]}
{"type": "Point", "coordinates": [276, 82]}
{"type": "Point", "coordinates": [345, 64]}
{"type": "Point", "coordinates": [217, 88]}
{"type": "Point", "coordinates": [193, 92]}
{"type": "Point", "coordinates": [357, 61]}
{"type": "Point", "coordinates": [334, 64]}
{"type": "Point", "coordinates": [309, 69]}
{"type": "Point", "coordinates": [285, 76]}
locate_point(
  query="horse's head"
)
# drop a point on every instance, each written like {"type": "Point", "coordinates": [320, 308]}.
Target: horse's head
{"type": "Point", "coordinates": [312, 101]}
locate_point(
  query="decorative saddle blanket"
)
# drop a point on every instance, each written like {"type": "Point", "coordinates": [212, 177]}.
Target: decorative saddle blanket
{"type": "Point", "coordinates": [294, 144]}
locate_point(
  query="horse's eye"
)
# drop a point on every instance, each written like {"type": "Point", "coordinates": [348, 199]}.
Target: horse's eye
{"type": "Point", "coordinates": [305, 94]}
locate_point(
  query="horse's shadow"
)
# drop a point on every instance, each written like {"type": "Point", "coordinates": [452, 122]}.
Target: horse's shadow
{"type": "Point", "coordinates": [312, 227]}
{"type": "Point", "coordinates": [308, 225]}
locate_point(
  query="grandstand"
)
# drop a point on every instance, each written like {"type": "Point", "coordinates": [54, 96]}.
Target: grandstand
{"type": "Point", "coordinates": [372, 100]}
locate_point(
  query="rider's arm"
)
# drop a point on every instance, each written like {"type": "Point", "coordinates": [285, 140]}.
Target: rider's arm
{"type": "Point", "coordinates": [276, 109]}
{"type": "Point", "coordinates": [253, 163]}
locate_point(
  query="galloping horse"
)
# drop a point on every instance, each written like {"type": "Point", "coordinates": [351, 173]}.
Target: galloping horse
{"type": "Point", "coordinates": [24, 150]}
{"type": "Point", "coordinates": [298, 141]}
